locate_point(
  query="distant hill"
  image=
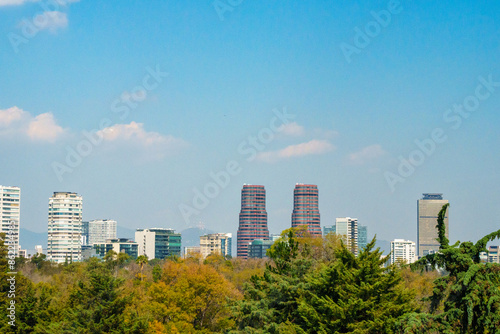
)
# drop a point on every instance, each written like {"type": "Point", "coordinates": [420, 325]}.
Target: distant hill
{"type": "Point", "coordinates": [191, 236]}
{"type": "Point", "coordinates": [29, 239]}
{"type": "Point", "coordinates": [123, 232]}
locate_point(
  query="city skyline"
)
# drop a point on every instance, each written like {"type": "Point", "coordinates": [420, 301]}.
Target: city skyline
{"type": "Point", "coordinates": [253, 198]}
{"type": "Point", "coordinates": [64, 205]}
{"type": "Point", "coordinates": [187, 107]}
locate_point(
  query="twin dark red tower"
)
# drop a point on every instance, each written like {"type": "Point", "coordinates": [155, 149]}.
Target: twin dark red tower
{"type": "Point", "coordinates": [306, 208]}
{"type": "Point", "coordinates": [253, 214]}
{"type": "Point", "coordinates": [253, 218]}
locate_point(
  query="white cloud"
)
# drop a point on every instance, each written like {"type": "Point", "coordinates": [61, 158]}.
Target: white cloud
{"type": "Point", "coordinates": [313, 147]}
{"type": "Point", "coordinates": [44, 128]}
{"type": "Point", "coordinates": [12, 2]}
{"type": "Point", "coordinates": [10, 115]}
{"type": "Point", "coordinates": [20, 2]}
{"type": "Point", "coordinates": [51, 21]}
{"type": "Point", "coordinates": [135, 134]}
{"type": "Point", "coordinates": [366, 154]}
{"type": "Point", "coordinates": [15, 121]}
{"type": "Point", "coordinates": [292, 129]}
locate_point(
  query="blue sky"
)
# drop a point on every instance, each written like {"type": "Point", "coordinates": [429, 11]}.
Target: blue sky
{"type": "Point", "coordinates": [174, 93]}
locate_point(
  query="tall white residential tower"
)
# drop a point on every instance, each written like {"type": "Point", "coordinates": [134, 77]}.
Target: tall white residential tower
{"type": "Point", "coordinates": [65, 227]}
{"type": "Point", "coordinates": [10, 215]}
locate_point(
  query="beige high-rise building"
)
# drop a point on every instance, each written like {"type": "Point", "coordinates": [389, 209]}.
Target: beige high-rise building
{"type": "Point", "coordinates": [65, 228]}
{"type": "Point", "coordinates": [216, 243]}
{"type": "Point", "coordinates": [427, 213]}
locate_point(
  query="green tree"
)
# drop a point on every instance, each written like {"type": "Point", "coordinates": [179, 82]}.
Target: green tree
{"type": "Point", "coordinates": [301, 292]}
{"type": "Point", "coordinates": [97, 303]}
{"type": "Point", "coordinates": [122, 258]}
{"type": "Point", "coordinates": [4, 287]}
{"type": "Point", "coordinates": [156, 273]}
{"type": "Point", "coordinates": [467, 299]}
{"type": "Point", "coordinates": [110, 256]}
{"type": "Point", "coordinates": [272, 300]}
{"type": "Point", "coordinates": [39, 260]}
{"type": "Point", "coordinates": [27, 308]}
{"type": "Point", "coordinates": [355, 295]}
{"type": "Point", "coordinates": [26, 301]}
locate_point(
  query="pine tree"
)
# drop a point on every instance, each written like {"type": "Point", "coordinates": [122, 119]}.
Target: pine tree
{"type": "Point", "coordinates": [96, 303]}
{"type": "Point", "coordinates": [272, 300]}
{"type": "Point", "coordinates": [299, 293]}
{"type": "Point", "coordinates": [355, 295]}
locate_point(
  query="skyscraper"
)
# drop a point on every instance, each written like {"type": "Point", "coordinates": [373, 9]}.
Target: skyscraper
{"type": "Point", "coordinates": [98, 231]}
{"type": "Point", "coordinates": [10, 215]}
{"type": "Point", "coordinates": [65, 227]}
{"type": "Point", "coordinates": [306, 208]}
{"type": "Point", "coordinates": [427, 213]}
{"type": "Point", "coordinates": [253, 218]}
{"type": "Point", "coordinates": [347, 228]}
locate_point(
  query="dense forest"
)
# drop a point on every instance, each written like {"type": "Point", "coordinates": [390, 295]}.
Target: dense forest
{"type": "Point", "coordinates": [308, 285]}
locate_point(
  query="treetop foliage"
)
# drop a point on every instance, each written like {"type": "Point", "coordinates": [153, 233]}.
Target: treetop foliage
{"type": "Point", "coordinates": [467, 299]}
{"type": "Point", "coordinates": [308, 285]}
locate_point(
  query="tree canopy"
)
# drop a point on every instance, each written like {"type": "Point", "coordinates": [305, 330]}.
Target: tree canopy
{"type": "Point", "coordinates": [307, 285]}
